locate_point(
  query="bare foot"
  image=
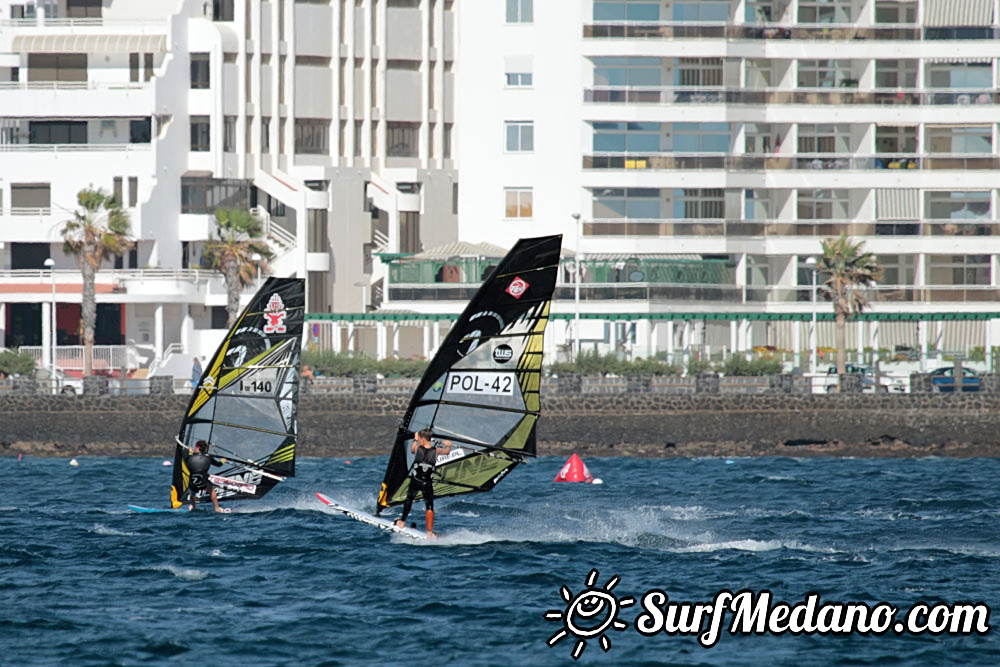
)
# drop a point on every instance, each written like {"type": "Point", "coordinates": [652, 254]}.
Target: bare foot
{"type": "Point", "coordinates": [400, 523]}
{"type": "Point", "coordinates": [223, 510]}
{"type": "Point", "coordinates": [431, 535]}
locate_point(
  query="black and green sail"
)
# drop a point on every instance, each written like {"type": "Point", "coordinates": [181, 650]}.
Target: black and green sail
{"type": "Point", "coordinates": [481, 388]}
{"type": "Point", "coordinates": [246, 403]}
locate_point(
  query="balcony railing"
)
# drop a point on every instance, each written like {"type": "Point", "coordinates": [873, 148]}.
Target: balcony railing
{"type": "Point", "coordinates": [881, 294]}
{"type": "Point", "coordinates": [837, 96]}
{"type": "Point", "coordinates": [774, 31]}
{"type": "Point", "coordinates": [773, 228]}
{"type": "Point", "coordinates": [75, 148]}
{"type": "Point", "coordinates": [71, 85]}
{"type": "Point", "coordinates": [792, 161]}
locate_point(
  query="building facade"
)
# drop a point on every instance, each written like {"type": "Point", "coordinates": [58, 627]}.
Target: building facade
{"type": "Point", "coordinates": [328, 119]}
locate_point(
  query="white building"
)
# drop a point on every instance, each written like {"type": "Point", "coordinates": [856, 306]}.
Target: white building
{"type": "Point", "coordinates": [330, 119]}
{"type": "Point", "coordinates": [741, 131]}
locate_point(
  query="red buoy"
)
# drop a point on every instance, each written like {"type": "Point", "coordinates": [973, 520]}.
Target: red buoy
{"type": "Point", "coordinates": [574, 470]}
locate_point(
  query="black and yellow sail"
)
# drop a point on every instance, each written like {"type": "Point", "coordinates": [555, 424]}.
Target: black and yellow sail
{"type": "Point", "coordinates": [480, 390]}
{"type": "Point", "coordinates": [246, 403]}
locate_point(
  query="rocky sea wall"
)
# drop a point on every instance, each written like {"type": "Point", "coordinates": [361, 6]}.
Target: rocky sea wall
{"type": "Point", "coordinates": [636, 423]}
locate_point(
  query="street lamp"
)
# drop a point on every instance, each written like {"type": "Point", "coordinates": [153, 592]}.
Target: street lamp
{"type": "Point", "coordinates": [576, 291]}
{"type": "Point", "coordinates": [256, 258]}
{"type": "Point", "coordinates": [811, 263]}
{"type": "Point", "coordinates": [50, 265]}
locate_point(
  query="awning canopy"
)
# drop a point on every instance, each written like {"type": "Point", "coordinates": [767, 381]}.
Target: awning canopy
{"type": "Point", "coordinates": [897, 204]}
{"type": "Point", "coordinates": [90, 43]}
{"type": "Point", "coordinates": [958, 13]}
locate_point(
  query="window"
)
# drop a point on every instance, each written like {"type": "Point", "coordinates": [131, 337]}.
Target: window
{"type": "Point", "coordinates": [312, 136]}
{"type": "Point", "coordinates": [517, 71]}
{"type": "Point", "coordinates": [823, 73]}
{"type": "Point", "coordinates": [229, 134]}
{"type": "Point", "coordinates": [897, 269]}
{"type": "Point", "coordinates": [265, 133]}
{"type": "Point", "coordinates": [83, 8]}
{"type": "Point", "coordinates": [893, 11]}
{"type": "Point", "coordinates": [147, 66]}
{"type": "Point", "coordinates": [409, 231]}
{"type": "Point", "coordinates": [518, 202]}
{"type": "Point", "coordinates": [519, 11]}
{"type": "Point", "coordinates": [133, 67]}
{"type": "Point", "coordinates": [895, 73]}
{"type": "Point", "coordinates": [28, 198]}
{"type": "Point", "coordinates": [759, 205]}
{"type": "Point", "coordinates": [57, 67]}
{"type": "Point", "coordinates": [634, 203]}
{"type": "Point", "coordinates": [319, 240]}
{"type": "Point", "coordinates": [518, 79]}
{"type": "Point", "coordinates": [222, 10]}
{"type": "Point", "coordinates": [824, 139]}
{"type": "Point", "coordinates": [700, 203]}
{"type": "Point", "coordinates": [618, 71]}
{"type": "Point", "coordinates": [701, 137]}
{"type": "Point", "coordinates": [960, 75]}
{"type": "Point", "coordinates": [701, 10]}
{"type": "Point", "coordinates": [699, 72]}
{"type": "Point", "coordinates": [626, 137]}
{"type": "Point", "coordinates": [959, 269]}
{"type": "Point", "coordinates": [200, 134]}
{"type": "Point", "coordinates": [825, 11]}
{"type": "Point", "coordinates": [133, 191]}
{"type": "Point", "coordinates": [757, 138]}
{"type": "Point", "coordinates": [116, 189]}
{"type": "Point", "coordinates": [895, 139]}
{"type": "Point", "coordinates": [203, 194]}
{"type": "Point", "coordinates": [823, 205]}
{"type": "Point", "coordinates": [626, 10]}
{"type": "Point", "coordinates": [971, 140]}
{"type": "Point", "coordinates": [402, 139]}
{"type": "Point", "coordinates": [199, 70]}
{"type": "Point", "coordinates": [958, 205]}
{"type": "Point", "coordinates": [140, 131]}
{"type": "Point", "coordinates": [447, 140]}
{"type": "Point", "coordinates": [57, 132]}
{"type": "Point", "coordinates": [520, 136]}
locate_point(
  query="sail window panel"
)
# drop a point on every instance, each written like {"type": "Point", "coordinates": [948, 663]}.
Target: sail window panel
{"type": "Point", "coordinates": [243, 444]}
{"type": "Point", "coordinates": [474, 424]}
{"type": "Point", "coordinates": [476, 471]}
{"type": "Point", "coordinates": [484, 357]}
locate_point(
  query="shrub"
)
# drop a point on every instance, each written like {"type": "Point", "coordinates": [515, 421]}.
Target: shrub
{"type": "Point", "coordinates": [16, 363]}
{"type": "Point", "coordinates": [591, 363]}
{"type": "Point", "coordinates": [342, 365]}
{"type": "Point", "coordinates": [739, 365]}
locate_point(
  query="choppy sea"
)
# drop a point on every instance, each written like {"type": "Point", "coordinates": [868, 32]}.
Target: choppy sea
{"type": "Point", "coordinates": [84, 581]}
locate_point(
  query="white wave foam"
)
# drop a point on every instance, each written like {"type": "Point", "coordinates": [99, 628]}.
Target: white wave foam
{"type": "Point", "coordinates": [101, 529]}
{"type": "Point", "coordinates": [186, 573]}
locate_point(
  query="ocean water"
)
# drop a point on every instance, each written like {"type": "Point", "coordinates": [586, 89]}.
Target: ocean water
{"type": "Point", "coordinates": [84, 581]}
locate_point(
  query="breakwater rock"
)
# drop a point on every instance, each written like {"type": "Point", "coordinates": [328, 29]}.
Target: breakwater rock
{"type": "Point", "coordinates": [629, 424]}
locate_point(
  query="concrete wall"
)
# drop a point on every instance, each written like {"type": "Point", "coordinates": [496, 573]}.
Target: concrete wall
{"type": "Point", "coordinates": [360, 423]}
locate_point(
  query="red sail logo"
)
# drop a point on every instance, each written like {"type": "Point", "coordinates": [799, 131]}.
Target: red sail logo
{"type": "Point", "coordinates": [275, 315]}
{"type": "Point", "coordinates": [517, 287]}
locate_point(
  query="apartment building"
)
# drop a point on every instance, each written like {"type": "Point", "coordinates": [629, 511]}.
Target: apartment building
{"type": "Point", "coordinates": [330, 119]}
{"type": "Point", "coordinates": [709, 146]}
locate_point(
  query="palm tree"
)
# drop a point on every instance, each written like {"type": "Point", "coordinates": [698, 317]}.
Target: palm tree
{"type": "Point", "coordinates": [847, 269]}
{"type": "Point", "coordinates": [99, 228]}
{"type": "Point", "coordinates": [239, 237]}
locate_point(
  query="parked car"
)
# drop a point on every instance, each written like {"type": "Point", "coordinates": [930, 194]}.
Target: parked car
{"type": "Point", "coordinates": [943, 379]}
{"type": "Point", "coordinates": [883, 384]}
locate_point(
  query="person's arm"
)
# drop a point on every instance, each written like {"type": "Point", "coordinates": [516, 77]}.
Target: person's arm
{"type": "Point", "coordinates": [413, 446]}
{"type": "Point", "coordinates": [447, 446]}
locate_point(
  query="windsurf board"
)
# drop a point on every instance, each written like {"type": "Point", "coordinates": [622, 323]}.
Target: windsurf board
{"type": "Point", "coordinates": [371, 519]}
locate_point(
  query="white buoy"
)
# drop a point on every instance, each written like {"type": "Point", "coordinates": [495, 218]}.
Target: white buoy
{"type": "Point", "coordinates": [598, 480]}
{"type": "Point", "coordinates": [167, 463]}
{"type": "Point", "coordinates": [74, 462]}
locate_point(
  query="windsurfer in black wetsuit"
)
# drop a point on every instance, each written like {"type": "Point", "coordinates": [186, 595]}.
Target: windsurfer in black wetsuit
{"type": "Point", "coordinates": [198, 463]}
{"type": "Point", "coordinates": [421, 481]}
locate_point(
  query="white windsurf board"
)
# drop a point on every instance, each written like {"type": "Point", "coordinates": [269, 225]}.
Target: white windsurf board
{"type": "Point", "coordinates": [371, 519]}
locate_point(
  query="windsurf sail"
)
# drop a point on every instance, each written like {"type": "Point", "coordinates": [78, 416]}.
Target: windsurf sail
{"type": "Point", "coordinates": [246, 403]}
{"type": "Point", "coordinates": [480, 390]}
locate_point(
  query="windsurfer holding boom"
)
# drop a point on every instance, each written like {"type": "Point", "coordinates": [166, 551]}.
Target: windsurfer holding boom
{"type": "Point", "coordinates": [198, 463]}
{"type": "Point", "coordinates": [424, 460]}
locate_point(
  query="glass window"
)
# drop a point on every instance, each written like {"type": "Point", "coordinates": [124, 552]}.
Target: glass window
{"type": "Point", "coordinates": [823, 205]}
{"type": "Point", "coordinates": [958, 205]}
{"type": "Point", "coordinates": [701, 137]}
{"type": "Point", "coordinates": [701, 10]}
{"type": "Point", "coordinates": [895, 73]}
{"type": "Point", "coordinates": [626, 10]}
{"type": "Point", "coordinates": [518, 202]}
{"type": "Point", "coordinates": [626, 137]}
{"type": "Point", "coordinates": [518, 79]}
{"type": "Point", "coordinates": [618, 71]}
{"type": "Point", "coordinates": [402, 139]}
{"type": "Point", "coordinates": [312, 136]}
{"type": "Point", "coordinates": [699, 203]}
{"type": "Point", "coordinates": [823, 73]}
{"type": "Point", "coordinates": [825, 11]}
{"type": "Point", "coordinates": [698, 72]}
{"type": "Point", "coordinates": [229, 134]}
{"type": "Point", "coordinates": [824, 138]}
{"type": "Point", "coordinates": [972, 140]}
{"type": "Point", "coordinates": [634, 203]}
{"type": "Point", "coordinates": [960, 75]}
{"type": "Point", "coordinates": [520, 136]}
{"type": "Point", "coordinates": [265, 133]}
{"type": "Point", "coordinates": [199, 70]}
{"type": "Point", "coordinates": [520, 11]}
{"type": "Point", "coordinates": [200, 134]}
{"type": "Point", "coordinates": [959, 269]}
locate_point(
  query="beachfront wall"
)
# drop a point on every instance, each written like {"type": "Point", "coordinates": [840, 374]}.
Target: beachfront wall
{"type": "Point", "coordinates": [363, 423]}
{"type": "Point", "coordinates": [920, 341]}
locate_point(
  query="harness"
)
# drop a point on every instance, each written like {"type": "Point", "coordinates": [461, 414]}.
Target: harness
{"type": "Point", "coordinates": [424, 462]}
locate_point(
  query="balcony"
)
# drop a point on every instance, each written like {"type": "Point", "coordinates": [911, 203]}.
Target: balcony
{"type": "Point", "coordinates": [774, 31]}
{"type": "Point", "coordinates": [808, 96]}
{"type": "Point", "coordinates": [741, 229]}
{"type": "Point", "coordinates": [881, 294]}
{"type": "Point", "coordinates": [790, 161]}
{"type": "Point", "coordinates": [75, 99]}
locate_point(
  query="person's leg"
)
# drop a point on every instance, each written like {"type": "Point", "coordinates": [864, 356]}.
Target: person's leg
{"type": "Point", "coordinates": [411, 493]}
{"type": "Point", "coordinates": [215, 500]}
{"type": "Point", "coordinates": [429, 512]}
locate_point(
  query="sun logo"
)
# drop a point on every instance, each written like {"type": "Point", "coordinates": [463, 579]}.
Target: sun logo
{"type": "Point", "coordinates": [589, 614]}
